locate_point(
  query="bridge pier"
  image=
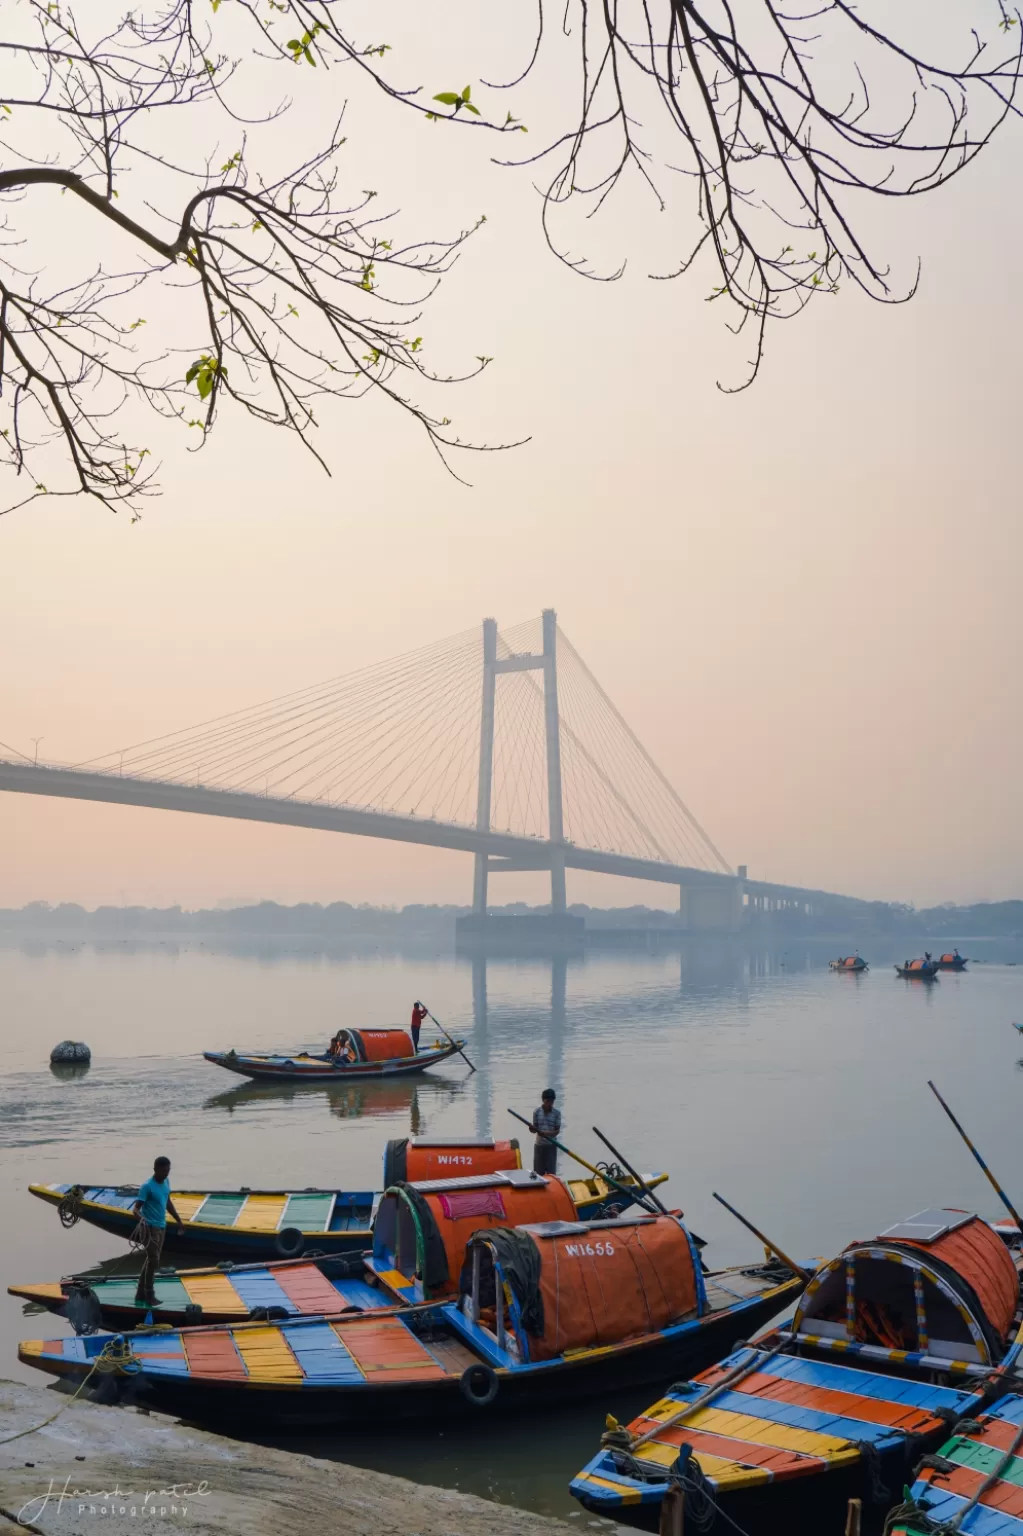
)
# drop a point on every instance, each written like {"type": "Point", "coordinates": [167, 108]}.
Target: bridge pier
{"type": "Point", "coordinates": [714, 908]}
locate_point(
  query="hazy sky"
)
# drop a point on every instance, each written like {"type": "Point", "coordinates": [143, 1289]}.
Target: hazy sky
{"type": "Point", "coordinates": [803, 598]}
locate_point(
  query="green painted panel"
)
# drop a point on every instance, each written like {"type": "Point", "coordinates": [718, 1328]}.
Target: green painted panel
{"type": "Point", "coordinates": [220, 1210]}
{"type": "Point", "coordinates": [985, 1459]}
{"type": "Point", "coordinates": [307, 1212]}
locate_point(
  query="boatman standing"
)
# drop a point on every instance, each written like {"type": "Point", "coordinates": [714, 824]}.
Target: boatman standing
{"type": "Point", "coordinates": [546, 1122]}
{"type": "Point", "coordinates": [152, 1205]}
{"type": "Point", "coordinates": [418, 1015]}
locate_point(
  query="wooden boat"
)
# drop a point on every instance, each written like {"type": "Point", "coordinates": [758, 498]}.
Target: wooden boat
{"type": "Point", "coordinates": [272, 1224]}
{"type": "Point", "coordinates": [361, 1053]}
{"type": "Point", "coordinates": [546, 1310]}
{"type": "Point", "coordinates": [419, 1240]}
{"type": "Point", "coordinates": [953, 962]}
{"type": "Point", "coordinates": [890, 1343]}
{"type": "Point", "coordinates": [851, 964]}
{"type": "Point", "coordinates": [922, 969]}
{"type": "Point", "coordinates": [974, 1484]}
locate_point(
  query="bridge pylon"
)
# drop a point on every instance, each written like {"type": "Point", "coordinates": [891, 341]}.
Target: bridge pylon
{"type": "Point", "coordinates": [545, 661]}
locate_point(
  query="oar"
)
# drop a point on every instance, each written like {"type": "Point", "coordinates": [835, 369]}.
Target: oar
{"type": "Point", "coordinates": [455, 1043]}
{"type": "Point", "coordinates": [797, 1269]}
{"type": "Point", "coordinates": [999, 1191]}
{"type": "Point", "coordinates": [629, 1169]}
{"type": "Point", "coordinates": [621, 1188]}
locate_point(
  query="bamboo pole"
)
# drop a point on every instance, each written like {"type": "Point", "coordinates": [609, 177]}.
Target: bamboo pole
{"type": "Point", "coordinates": [621, 1188]}
{"type": "Point", "coordinates": [999, 1191]}
{"type": "Point", "coordinates": [453, 1042]}
{"type": "Point", "coordinates": [629, 1169]}
{"type": "Point", "coordinates": [797, 1269]}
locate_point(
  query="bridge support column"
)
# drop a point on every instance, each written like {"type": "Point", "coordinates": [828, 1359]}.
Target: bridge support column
{"type": "Point", "coordinates": [714, 908]}
{"type": "Point", "coordinates": [486, 774]}
{"type": "Point", "coordinates": [552, 725]}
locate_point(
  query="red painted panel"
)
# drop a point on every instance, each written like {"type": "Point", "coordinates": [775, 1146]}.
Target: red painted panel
{"type": "Point", "coordinates": [213, 1354]}
{"type": "Point", "coordinates": [307, 1288]}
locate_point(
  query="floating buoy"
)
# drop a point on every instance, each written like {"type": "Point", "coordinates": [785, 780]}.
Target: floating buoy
{"type": "Point", "coordinates": [71, 1051]}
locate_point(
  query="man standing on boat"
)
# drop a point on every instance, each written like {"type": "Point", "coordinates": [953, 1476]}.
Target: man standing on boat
{"type": "Point", "coordinates": [151, 1207]}
{"type": "Point", "coordinates": [418, 1015]}
{"type": "Point", "coordinates": [546, 1122]}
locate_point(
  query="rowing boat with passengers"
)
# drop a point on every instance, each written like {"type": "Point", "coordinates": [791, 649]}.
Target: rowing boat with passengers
{"type": "Point", "coordinates": [353, 1053]}
{"type": "Point", "coordinates": [447, 1210]}
{"type": "Point", "coordinates": [283, 1224]}
{"type": "Point", "coordinates": [891, 1342]}
{"type": "Point", "coordinates": [852, 965]}
{"type": "Point", "coordinates": [535, 1313]}
{"type": "Point", "coordinates": [923, 968]}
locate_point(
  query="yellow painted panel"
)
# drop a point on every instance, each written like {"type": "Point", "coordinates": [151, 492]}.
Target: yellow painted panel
{"type": "Point", "coordinates": [786, 1437]}
{"type": "Point", "coordinates": [267, 1355]}
{"type": "Point", "coordinates": [213, 1292]}
{"type": "Point", "coordinates": [261, 1213]}
{"type": "Point", "coordinates": [394, 1278]}
{"type": "Point", "coordinates": [626, 1495]}
{"type": "Point", "coordinates": [187, 1205]}
{"type": "Point", "coordinates": [725, 1473]}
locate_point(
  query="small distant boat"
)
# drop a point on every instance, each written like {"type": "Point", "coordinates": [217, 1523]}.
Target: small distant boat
{"type": "Point", "coordinates": [890, 1343]}
{"type": "Point", "coordinates": [1019, 1027]}
{"type": "Point", "coordinates": [972, 1485]}
{"type": "Point", "coordinates": [849, 963]}
{"type": "Point", "coordinates": [922, 969]}
{"type": "Point", "coordinates": [536, 1313]}
{"type": "Point", "coordinates": [355, 1053]}
{"type": "Point", "coordinates": [953, 962]}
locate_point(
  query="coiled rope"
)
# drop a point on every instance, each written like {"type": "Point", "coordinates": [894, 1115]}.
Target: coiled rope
{"type": "Point", "coordinates": [70, 1208]}
{"type": "Point", "coordinates": [114, 1358]}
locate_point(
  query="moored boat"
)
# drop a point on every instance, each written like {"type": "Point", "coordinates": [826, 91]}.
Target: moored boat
{"type": "Point", "coordinates": [277, 1224]}
{"type": "Point", "coordinates": [354, 1054]}
{"type": "Point", "coordinates": [545, 1310]}
{"type": "Point", "coordinates": [974, 1484]}
{"type": "Point", "coordinates": [924, 968]}
{"type": "Point", "coordinates": [890, 1343]}
{"type": "Point", "coordinates": [849, 963]}
{"type": "Point", "coordinates": [952, 962]}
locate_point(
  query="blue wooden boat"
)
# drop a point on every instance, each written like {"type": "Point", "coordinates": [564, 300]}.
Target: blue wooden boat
{"type": "Point", "coordinates": [357, 1054]}
{"type": "Point", "coordinates": [891, 1343]}
{"type": "Point", "coordinates": [924, 968]}
{"type": "Point", "coordinates": [270, 1224]}
{"type": "Point", "coordinates": [952, 961]}
{"type": "Point", "coordinates": [974, 1485]}
{"type": "Point", "coordinates": [543, 1311]}
{"type": "Point", "coordinates": [852, 965]}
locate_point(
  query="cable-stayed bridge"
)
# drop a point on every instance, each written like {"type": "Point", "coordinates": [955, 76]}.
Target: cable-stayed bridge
{"type": "Point", "coordinates": [503, 745]}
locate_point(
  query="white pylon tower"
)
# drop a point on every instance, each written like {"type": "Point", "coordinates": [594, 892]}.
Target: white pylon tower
{"type": "Point", "coordinates": [547, 663]}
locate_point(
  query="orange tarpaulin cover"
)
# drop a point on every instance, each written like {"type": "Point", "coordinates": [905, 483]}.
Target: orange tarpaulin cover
{"type": "Point", "coordinates": [603, 1286]}
{"type": "Point", "coordinates": [539, 1202]}
{"type": "Point", "coordinates": [436, 1162]}
{"type": "Point", "coordinates": [978, 1254]}
{"type": "Point", "coordinates": [384, 1044]}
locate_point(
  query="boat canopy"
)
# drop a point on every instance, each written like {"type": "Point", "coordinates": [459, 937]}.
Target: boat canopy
{"type": "Point", "coordinates": [378, 1044]}
{"type": "Point", "coordinates": [584, 1285]}
{"type": "Point", "coordinates": [421, 1230]}
{"type": "Point", "coordinates": [413, 1158]}
{"type": "Point", "coordinates": [942, 1283]}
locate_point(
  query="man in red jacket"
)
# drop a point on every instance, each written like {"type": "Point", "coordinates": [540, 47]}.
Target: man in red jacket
{"type": "Point", "coordinates": [418, 1015]}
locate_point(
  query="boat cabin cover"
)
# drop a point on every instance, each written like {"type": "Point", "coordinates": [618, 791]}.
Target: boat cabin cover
{"type": "Point", "coordinates": [374, 1044]}
{"type": "Point", "coordinates": [412, 1159]}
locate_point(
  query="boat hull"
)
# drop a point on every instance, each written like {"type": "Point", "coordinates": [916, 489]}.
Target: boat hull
{"type": "Point", "coordinates": [313, 1070]}
{"type": "Point", "coordinates": [393, 1397]}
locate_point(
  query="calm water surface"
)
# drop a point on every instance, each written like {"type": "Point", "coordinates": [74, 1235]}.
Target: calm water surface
{"type": "Point", "coordinates": [799, 1094]}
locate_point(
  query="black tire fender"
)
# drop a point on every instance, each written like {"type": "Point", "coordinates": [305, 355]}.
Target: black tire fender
{"type": "Point", "coordinates": [479, 1385]}
{"type": "Point", "coordinates": [289, 1243]}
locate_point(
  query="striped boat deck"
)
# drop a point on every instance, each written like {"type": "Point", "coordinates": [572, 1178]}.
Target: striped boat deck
{"type": "Point", "coordinates": [984, 1464]}
{"type": "Point", "coordinates": [794, 1418]}
{"type": "Point", "coordinates": [248, 1211]}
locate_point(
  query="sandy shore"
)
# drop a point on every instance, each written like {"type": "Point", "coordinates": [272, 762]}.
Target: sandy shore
{"type": "Point", "coordinates": [170, 1479]}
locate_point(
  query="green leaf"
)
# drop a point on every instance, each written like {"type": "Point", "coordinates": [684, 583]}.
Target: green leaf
{"type": "Point", "coordinates": [470, 108]}
{"type": "Point", "coordinates": [466, 94]}
{"type": "Point", "coordinates": [448, 98]}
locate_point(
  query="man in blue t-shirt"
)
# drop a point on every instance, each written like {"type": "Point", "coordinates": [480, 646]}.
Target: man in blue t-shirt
{"type": "Point", "coordinates": [151, 1207]}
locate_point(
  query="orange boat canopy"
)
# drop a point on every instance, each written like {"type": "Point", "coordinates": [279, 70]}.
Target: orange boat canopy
{"type": "Point", "coordinates": [414, 1158]}
{"type": "Point", "coordinates": [422, 1229]}
{"type": "Point", "coordinates": [952, 1294]}
{"type": "Point", "coordinates": [583, 1285]}
{"type": "Point", "coordinates": [380, 1044]}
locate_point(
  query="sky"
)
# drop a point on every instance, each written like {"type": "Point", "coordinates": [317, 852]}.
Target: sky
{"type": "Point", "coordinates": [803, 598]}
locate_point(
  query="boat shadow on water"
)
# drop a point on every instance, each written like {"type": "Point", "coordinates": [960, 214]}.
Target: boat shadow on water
{"type": "Point", "coordinates": [349, 1101]}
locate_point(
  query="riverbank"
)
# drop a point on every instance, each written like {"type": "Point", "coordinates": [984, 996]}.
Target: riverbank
{"type": "Point", "coordinates": [168, 1478]}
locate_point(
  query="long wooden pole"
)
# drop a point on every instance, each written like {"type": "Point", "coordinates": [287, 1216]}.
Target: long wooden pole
{"type": "Point", "coordinates": [999, 1191]}
{"type": "Point", "coordinates": [622, 1189]}
{"type": "Point", "coordinates": [797, 1269]}
{"type": "Point", "coordinates": [455, 1043]}
{"type": "Point", "coordinates": [629, 1169]}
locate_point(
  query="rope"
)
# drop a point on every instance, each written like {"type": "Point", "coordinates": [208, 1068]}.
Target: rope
{"type": "Point", "coordinates": [70, 1208]}
{"type": "Point", "coordinates": [114, 1357]}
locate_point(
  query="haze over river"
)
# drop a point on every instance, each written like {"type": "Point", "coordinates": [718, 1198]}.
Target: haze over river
{"type": "Point", "coordinates": [799, 1094]}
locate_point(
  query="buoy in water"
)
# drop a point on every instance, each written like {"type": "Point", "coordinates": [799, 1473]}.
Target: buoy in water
{"type": "Point", "coordinates": [71, 1051]}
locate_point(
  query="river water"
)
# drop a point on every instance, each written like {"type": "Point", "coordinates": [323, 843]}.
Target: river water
{"type": "Point", "coordinates": [799, 1094]}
